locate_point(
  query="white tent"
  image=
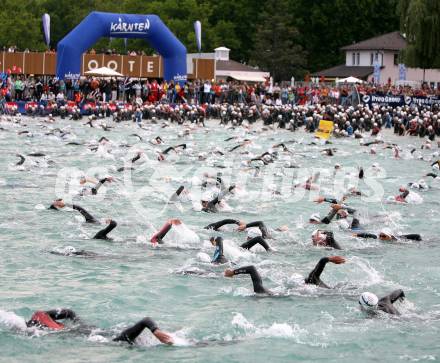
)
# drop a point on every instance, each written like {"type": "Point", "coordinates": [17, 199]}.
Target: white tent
{"type": "Point", "coordinates": [103, 72]}
{"type": "Point", "coordinates": [350, 80]}
{"type": "Point", "coordinates": [248, 76]}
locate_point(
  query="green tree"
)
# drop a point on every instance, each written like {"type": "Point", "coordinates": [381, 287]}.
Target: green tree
{"type": "Point", "coordinates": [420, 22]}
{"type": "Point", "coordinates": [20, 25]}
{"type": "Point", "coordinates": [234, 24]}
{"type": "Point", "coordinates": [276, 47]}
{"type": "Point", "coordinates": [327, 25]}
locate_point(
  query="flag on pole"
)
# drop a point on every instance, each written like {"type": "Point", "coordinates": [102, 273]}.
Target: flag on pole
{"type": "Point", "coordinates": [402, 72]}
{"type": "Point", "coordinates": [376, 73]}
{"type": "Point", "coordinates": [46, 28]}
{"type": "Point", "coordinates": [198, 31]}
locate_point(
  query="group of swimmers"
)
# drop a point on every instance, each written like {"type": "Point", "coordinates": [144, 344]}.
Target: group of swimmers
{"type": "Point", "coordinates": [258, 234]}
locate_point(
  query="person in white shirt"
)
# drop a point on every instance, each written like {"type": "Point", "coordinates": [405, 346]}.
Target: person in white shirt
{"type": "Point", "coordinates": [60, 97]}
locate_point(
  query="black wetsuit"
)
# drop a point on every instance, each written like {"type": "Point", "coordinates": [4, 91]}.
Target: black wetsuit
{"type": "Point", "coordinates": [215, 226]}
{"type": "Point", "coordinates": [411, 236]}
{"type": "Point", "coordinates": [328, 218]}
{"type": "Point", "coordinates": [330, 240]}
{"type": "Point", "coordinates": [314, 277]}
{"type": "Point", "coordinates": [83, 253]}
{"type": "Point", "coordinates": [211, 207]}
{"type": "Point", "coordinates": [129, 335]}
{"type": "Point", "coordinates": [133, 160]}
{"type": "Point", "coordinates": [175, 196]}
{"type": "Point", "coordinates": [256, 278]}
{"type": "Point", "coordinates": [99, 185]}
{"type": "Point", "coordinates": [102, 234]}
{"type": "Point", "coordinates": [355, 224]}
{"type": "Point", "coordinates": [22, 159]}
{"type": "Point", "coordinates": [256, 240]}
{"type": "Point", "coordinates": [261, 226]}
{"type": "Point", "coordinates": [386, 302]}
{"type": "Point", "coordinates": [89, 218]}
{"type": "Point", "coordinates": [168, 149]}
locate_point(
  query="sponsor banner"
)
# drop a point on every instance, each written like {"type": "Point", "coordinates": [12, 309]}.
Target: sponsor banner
{"type": "Point", "coordinates": [399, 100]}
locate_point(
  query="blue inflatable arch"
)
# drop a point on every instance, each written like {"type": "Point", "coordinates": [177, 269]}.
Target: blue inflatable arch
{"type": "Point", "coordinates": [99, 24]}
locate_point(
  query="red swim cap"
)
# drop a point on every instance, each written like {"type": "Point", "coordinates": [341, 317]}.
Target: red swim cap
{"type": "Point", "coordinates": [46, 321]}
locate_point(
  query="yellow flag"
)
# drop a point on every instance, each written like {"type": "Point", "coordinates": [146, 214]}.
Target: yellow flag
{"type": "Point", "coordinates": [324, 130]}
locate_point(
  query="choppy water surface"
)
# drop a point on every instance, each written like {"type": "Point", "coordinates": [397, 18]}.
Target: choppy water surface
{"type": "Point", "coordinates": [215, 319]}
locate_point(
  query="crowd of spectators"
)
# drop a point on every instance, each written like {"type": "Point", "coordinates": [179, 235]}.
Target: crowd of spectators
{"type": "Point", "coordinates": [16, 87]}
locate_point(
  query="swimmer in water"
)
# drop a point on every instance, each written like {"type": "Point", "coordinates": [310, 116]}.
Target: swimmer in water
{"type": "Point", "coordinates": [22, 159]}
{"type": "Point", "coordinates": [217, 242]}
{"type": "Point", "coordinates": [309, 183]}
{"type": "Point", "coordinates": [314, 277]}
{"type": "Point", "coordinates": [370, 303]}
{"type": "Point", "coordinates": [385, 235]}
{"type": "Point", "coordinates": [325, 239]}
{"type": "Point", "coordinates": [161, 155]}
{"type": "Point", "coordinates": [49, 320]}
{"type": "Point", "coordinates": [219, 257]}
{"type": "Point", "coordinates": [241, 226]}
{"type": "Point", "coordinates": [341, 212]}
{"type": "Point", "coordinates": [245, 142]}
{"type": "Point", "coordinates": [420, 185]}
{"type": "Point", "coordinates": [434, 176]}
{"type": "Point", "coordinates": [436, 164]}
{"type": "Point", "coordinates": [58, 204]}
{"type": "Point", "coordinates": [102, 234]}
{"type": "Point", "coordinates": [402, 197]}
{"type": "Point", "coordinates": [98, 185]}
{"type": "Point", "coordinates": [255, 276]}
{"type": "Point", "coordinates": [133, 160]}
{"type": "Point", "coordinates": [158, 237]}
{"type": "Point", "coordinates": [177, 194]}
{"type": "Point", "coordinates": [211, 206]}
{"type": "Point", "coordinates": [72, 251]}
{"type": "Point", "coordinates": [156, 141]}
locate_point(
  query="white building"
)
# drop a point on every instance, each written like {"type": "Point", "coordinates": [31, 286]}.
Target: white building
{"type": "Point", "coordinates": [384, 49]}
{"type": "Point", "coordinates": [225, 68]}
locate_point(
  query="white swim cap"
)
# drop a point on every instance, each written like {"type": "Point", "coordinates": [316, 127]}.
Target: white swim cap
{"type": "Point", "coordinates": [69, 250]}
{"type": "Point", "coordinates": [315, 217]}
{"type": "Point", "coordinates": [206, 197]}
{"type": "Point", "coordinates": [386, 231]}
{"type": "Point", "coordinates": [422, 183]}
{"type": "Point", "coordinates": [343, 223]}
{"type": "Point", "coordinates": [253, 232]}
{"type": "Point", "coordinates": [368, 301]}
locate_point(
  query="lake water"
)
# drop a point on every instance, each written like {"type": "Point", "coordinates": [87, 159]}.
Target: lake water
{"type": "Point", "coordinates": [214, 319]}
